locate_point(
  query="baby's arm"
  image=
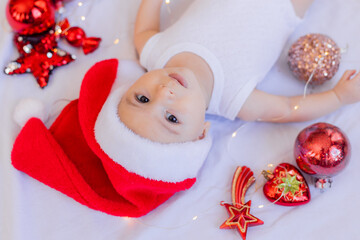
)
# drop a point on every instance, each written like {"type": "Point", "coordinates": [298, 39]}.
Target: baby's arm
{"type": "Point", "coordinates": [147, 22]}
{"type": "Point", "coordinates": [272, 108]}
{"type": "Point", "coordinates": [301, 6]}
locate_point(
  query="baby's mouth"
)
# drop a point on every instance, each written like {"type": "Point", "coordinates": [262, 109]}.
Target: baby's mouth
{"type": "Point", "coordinates": [179, 79]}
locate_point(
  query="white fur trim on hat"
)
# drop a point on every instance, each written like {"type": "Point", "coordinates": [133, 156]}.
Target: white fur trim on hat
{"type": "Point", "coordinates": [173, 162]}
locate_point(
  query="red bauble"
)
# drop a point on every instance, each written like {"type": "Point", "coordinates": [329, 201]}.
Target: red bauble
{"type": "Point", "coordinates": [322, 150]}
{"type": "Point", "coordinates": [28, 17]}
{"type": "Point", "coordinates": [286, 186]}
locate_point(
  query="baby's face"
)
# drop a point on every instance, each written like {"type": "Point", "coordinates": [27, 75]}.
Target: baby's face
{"type": "Point", "coordinates": [165, 105]}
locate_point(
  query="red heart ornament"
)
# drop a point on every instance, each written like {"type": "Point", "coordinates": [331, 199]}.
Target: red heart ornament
{"type": "Point", "coordinates": [286, 186]}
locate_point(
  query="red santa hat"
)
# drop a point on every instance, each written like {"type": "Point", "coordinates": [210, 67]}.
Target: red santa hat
{"type": "Point", "coordinates": [91, 156]}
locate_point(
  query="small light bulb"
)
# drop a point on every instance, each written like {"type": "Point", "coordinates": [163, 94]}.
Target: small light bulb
{"type": "Point", "coordinates": [167, 1]}
{"type": "Point", "coordinates": [234, 134]}
{"type": "Point", "coordinates": [296, 107]}
{"type": "Point", "coordinates": [260, 206]}
{"type": "Point", "coordinates": [270, 165]}
{"type": "Point", "coordinates": [83, 18]}
{"type": "Point", "coordinates": [80, 4]}
{"type": "Point", "coordinates": [194, 218]}
{"type": "Point", "coordinates": [116, 41]}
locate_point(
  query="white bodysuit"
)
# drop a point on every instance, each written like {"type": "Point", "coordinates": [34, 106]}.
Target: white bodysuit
{"type": "Point", "coordinates": [239, 39]}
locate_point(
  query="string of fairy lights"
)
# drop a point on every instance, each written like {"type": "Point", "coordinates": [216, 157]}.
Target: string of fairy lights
{"type": "Point", "coordinates": [116, 41]}
{"type": "Point", "coordinates": [198, 215]}
{"type": "Point", "coordinates": [82, 18]}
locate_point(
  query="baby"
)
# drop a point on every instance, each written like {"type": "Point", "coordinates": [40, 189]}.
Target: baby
{"type": "Point", "coordinates": [196, 67]}
{"type": "Point", "coordinates": [125, 150]}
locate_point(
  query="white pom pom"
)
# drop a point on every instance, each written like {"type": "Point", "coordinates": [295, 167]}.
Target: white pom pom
{"type": "Point", "coordinates": [28, 108]}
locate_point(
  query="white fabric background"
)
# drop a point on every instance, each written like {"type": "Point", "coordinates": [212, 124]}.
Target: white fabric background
{"type": "Point", "coordinates": [31, 210]}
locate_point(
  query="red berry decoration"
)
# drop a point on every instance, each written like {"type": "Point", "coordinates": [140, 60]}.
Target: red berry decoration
{"type": "Point", "coordinates": [322, 150]}
{"type": "Point", "coordinates": [239, 211]}
{"type": "Point", "coordinates": [286, 186]}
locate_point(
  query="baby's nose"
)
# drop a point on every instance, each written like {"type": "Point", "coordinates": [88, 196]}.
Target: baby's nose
{"type": "Point", "coordinates": [165, 91]}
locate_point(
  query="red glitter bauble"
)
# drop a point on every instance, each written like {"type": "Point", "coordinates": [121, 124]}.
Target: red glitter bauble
{"type": "Point", "coordinates": [28, 17]}
{"type": "Point", "coordinates": [314, 57]}
{"type": "Point", "coordinates": [322, 150]}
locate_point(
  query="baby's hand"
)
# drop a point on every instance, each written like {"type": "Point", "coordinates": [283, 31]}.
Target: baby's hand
{"type": "Point", "coordinates": [348, 89]}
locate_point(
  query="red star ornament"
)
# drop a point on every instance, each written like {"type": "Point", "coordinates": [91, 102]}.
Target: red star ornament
{"type": "Point", "coordinates": [240, 218]}
{"type": "Point", "coordinates": [39, 56]}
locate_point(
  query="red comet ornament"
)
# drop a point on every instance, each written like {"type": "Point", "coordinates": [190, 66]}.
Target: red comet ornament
{"type": "Point", "coordinates": [286, 186]}
{"type": "Point", "coordinates": [240, 217]}
{"type": "Point", "coordinates": [322, 150]}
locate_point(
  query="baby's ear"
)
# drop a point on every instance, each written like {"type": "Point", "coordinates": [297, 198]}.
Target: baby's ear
{"type": "Point", "coordinates": [205, 130]}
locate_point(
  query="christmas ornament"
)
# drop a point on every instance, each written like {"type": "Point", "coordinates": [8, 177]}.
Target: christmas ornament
{"type": "Point", "coordinates": [28, 17]}
{"type": "Point", "coordinates": [77, 37]}
{"type": "Point", "coordinates": [322, 150]}
{"type": "Point", "coordinates": [39, 55]}
{"type": "Point", "coordinates": [314, 58]}
{"type": "Point", "coordinates": [239, 211]}
{"type": "Point", "coordinates": [37, 36]}
{"type": "Point", "coordinates": [286, 186]}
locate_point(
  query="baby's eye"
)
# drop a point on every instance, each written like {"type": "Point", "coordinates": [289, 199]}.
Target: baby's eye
{"type": "Point", "coordinates": [171, 118]}
{"type": "Point", "coordinates": [142, 98]}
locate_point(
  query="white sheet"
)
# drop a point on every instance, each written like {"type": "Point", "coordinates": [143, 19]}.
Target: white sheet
{"type": "Point", "coordinates": [31, 210]}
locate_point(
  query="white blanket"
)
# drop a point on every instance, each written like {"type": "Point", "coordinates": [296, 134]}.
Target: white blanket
{"type": "Point", "coordinates": [31, 210]}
